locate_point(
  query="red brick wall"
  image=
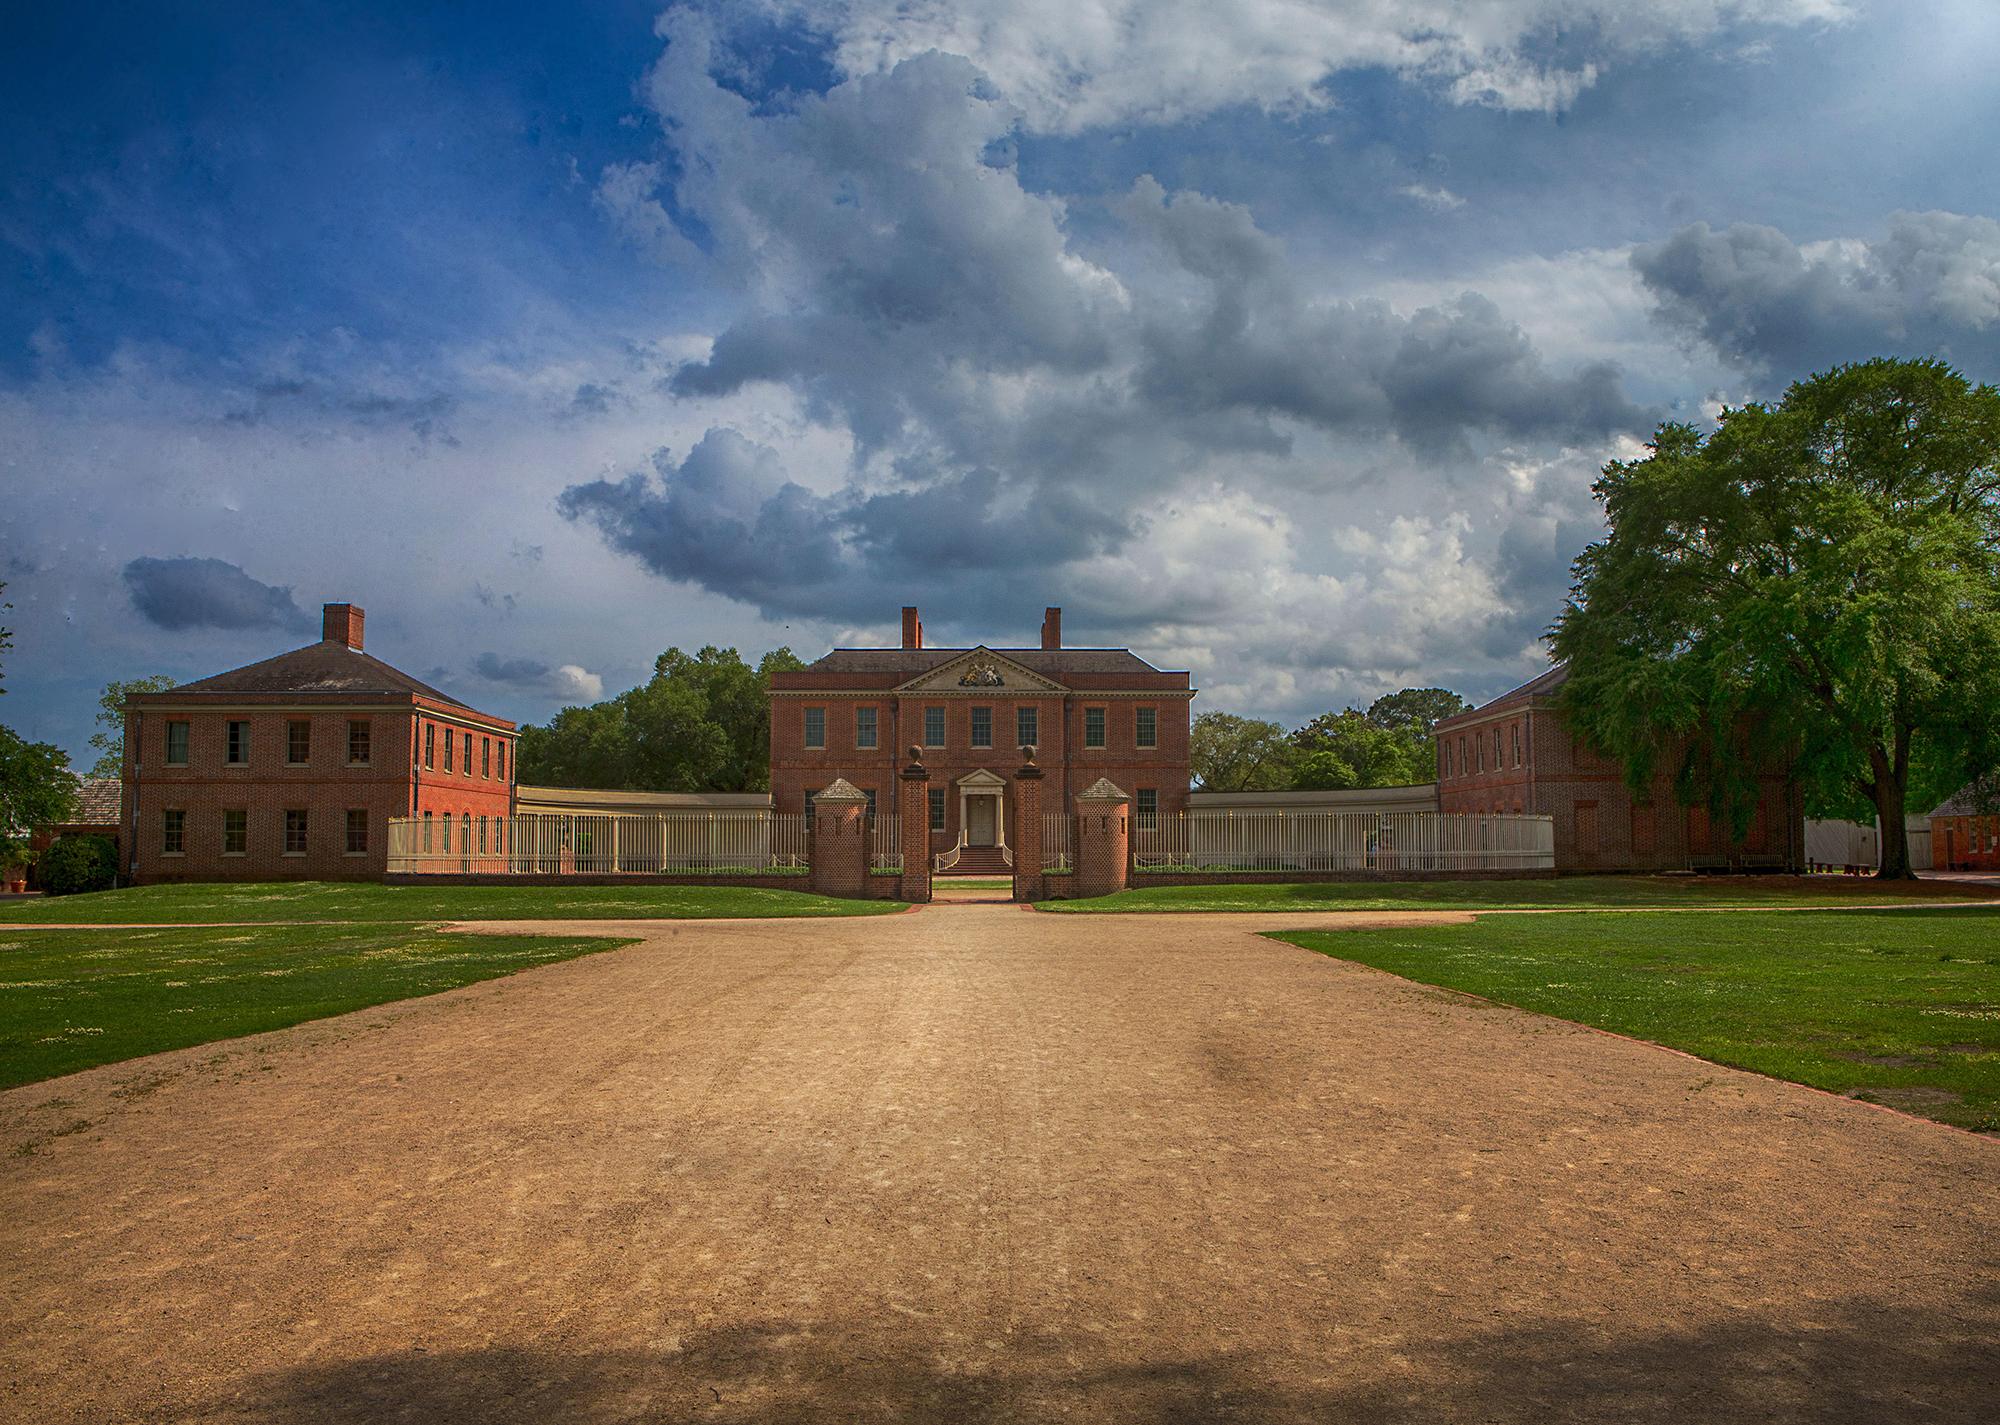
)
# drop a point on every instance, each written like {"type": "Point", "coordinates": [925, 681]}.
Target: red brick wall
{"type": "Point", "coordinates": [1070, 766]}
{"type": "Point", "coordinates": [1599, 825]}
{"type": "Point", "coordinates": [326, 787]}
{"type": "Point", "coordinates": [452, 791]}
{"type": "Point", "coordinates": [1492, 782]}
{"type": "Point", "coordinates": [1965, 843]}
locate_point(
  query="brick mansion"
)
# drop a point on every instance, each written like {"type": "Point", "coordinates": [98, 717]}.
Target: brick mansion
{"type": "Point", "coordinates": [295, 766]}
{"type": "Point", "coordinates": [291, 768]}
{"type": "Point", "coordinates": [1090, 712]}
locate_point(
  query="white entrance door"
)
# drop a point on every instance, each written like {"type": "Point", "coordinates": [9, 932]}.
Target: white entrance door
{"type": "Point", "coordinates": [981, 821]}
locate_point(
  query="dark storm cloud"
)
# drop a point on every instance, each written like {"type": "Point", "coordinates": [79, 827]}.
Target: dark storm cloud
{"type": "Point", "coordinates": [726, 517]}
{"type": "Point", "coordinates": [903, 283]}
{"type": "Point", "coordinates": [1262, 343]}
{"type": "Point", "coordinates": [209, 593]}
{"type": "Point", "coordinates": [729, 520]}
{"type": "Point", "coordinates": [911, 291]}
{"type": "Point", "coordinates": [1931, 286]}
{"type": "Point", "coordinates": [497, 669]}
{"type": "Point", "coordinates": [525, 672]}
{"type": "Point", "coordinates": [423, 416]}
{"type": "Point", "coordinates": [531, 676]}
{"type": "Point", "coordinates": [972, 521]}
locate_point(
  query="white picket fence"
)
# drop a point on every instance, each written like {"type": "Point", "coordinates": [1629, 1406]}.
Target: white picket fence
{"type": "Point", "coordinates": [1057, 854]}
{"type": "Point", "coordinates": [885, 851]}
{"type": "Point", "coordinates": [1333, 841]}
{"type": "Point", "coordinates": [670, 843]}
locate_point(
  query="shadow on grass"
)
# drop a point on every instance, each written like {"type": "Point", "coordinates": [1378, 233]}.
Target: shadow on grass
{"type": "Point", "coordinates": [1861, 1362]}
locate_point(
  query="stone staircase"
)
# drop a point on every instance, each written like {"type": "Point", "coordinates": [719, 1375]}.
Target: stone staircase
{"type": "Point", "coordinates": [980, 861]}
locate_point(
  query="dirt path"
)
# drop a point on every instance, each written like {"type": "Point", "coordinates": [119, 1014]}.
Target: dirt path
{"type": "Point", "coordinates": [979, 1164]}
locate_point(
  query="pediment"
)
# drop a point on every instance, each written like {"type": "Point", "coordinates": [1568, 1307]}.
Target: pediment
{"type": "Point", "coordinates": [982, 778]}
{"type": "Point", "coordinates": [981, 670]}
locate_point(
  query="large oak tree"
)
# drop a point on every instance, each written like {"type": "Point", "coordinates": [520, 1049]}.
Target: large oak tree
{"type": "Point", "coordinates": [1818, 579]}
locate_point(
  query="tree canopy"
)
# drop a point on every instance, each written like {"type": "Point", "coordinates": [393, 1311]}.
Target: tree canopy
{"type": "Point", "coordinates": [1352, 749]}
{"type": "Point", "coordinates": [36, 784]}
{"type": "Point", "coordinates": [1390, 745]}
{"type": "Point", "coordinates": [109, 739]}
{"type": "Point", "coordinates": [36, 788]}
{"type": "Point", "coordinates": [1817, 579]}
{"type": "Point", "coordinates": [701, 723]}
{"type": "Point", "coordinates": [1227, 753]}
{"type": "Point", "coordinates": [1419, 708]}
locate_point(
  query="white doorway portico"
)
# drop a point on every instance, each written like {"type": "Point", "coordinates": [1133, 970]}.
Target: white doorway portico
{"type": "Point", "coordinates": [981, 819]}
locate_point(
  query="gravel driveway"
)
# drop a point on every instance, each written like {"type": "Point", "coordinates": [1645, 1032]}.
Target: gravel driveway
{"type": "Point", "coordinates": [975, 1163]}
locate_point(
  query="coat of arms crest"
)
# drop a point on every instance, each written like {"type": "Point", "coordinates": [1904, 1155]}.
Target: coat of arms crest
{"type": "Point", "coordinates": [981, 675]}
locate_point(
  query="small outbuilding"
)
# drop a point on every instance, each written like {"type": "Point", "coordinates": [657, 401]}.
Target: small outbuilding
{"type": "Point", "coordinates": [1965, 830]}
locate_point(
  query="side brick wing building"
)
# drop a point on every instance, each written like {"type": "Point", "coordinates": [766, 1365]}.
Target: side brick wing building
{"type": "Point", "coordinates": [1089, 712]}
{"type": "Point", "coordinates": [1516, 755]}
{"type": "Point", "coordinates": [291, 768]}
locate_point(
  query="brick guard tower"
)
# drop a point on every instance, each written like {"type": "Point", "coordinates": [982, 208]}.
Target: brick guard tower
{"type": "Point", "coordinates": [840, 841]}
{"type": "Point", "coordinates": [1103, 839]}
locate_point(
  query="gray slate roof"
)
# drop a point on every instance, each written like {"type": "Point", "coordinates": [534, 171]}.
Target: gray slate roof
{"type": "Point", "coordinates": [324, 667]}
{"type": "Point", "coordinates": [99, 801]}
{"type": "Point", "coordinates": [1542, 685]}
{"type": "Point", "coordinates": [1972, 799]}
{"type": "Point", "coordinates": [1050, 662]}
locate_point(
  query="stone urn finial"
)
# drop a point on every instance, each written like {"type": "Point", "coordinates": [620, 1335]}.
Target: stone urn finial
{"type": "Point", "coordinates": [1028, 753]}
{"type": "Point", "coordinates": [916, 753]}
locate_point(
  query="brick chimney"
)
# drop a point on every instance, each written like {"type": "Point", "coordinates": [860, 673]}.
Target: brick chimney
{"type": "Point", "coordinates": [913, 628]}
{"type": "Point", "coordinates": [1052, 628]}
{"type": "Point", "coordinates": [341, 623]}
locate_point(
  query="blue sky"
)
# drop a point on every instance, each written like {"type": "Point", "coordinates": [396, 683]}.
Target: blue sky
{"type": "Point", "coordinates": [1279, 340]}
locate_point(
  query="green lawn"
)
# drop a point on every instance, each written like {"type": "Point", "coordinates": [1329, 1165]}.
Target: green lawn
{"type": "Point", "coordinates": [1571, 892]}
{"type": "Point", "coordinates": [1901, 1007]}
{"type": "Point", "coordinates": [365, 901]}
{"type": "Point", "coordinates": [71, 999]}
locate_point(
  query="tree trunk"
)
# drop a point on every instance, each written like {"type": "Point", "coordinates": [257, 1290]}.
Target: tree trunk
{"type": "Point", "coordinates": [1892, 786]}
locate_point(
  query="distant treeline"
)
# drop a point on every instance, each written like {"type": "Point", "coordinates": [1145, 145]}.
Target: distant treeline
{"type": "Point", "coordinates": [1389, 745]}
{"type": "Point", "coordinates": [701, 723]}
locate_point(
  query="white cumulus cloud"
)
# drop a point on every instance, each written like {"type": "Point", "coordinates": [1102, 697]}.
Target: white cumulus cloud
{"type": "Point", "coordinates": [1071, 65]}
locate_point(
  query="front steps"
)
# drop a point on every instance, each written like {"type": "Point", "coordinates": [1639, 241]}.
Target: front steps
{"type": "Point", "coordinates": [979, 861]}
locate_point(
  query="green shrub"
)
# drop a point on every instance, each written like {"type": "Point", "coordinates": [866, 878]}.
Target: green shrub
{"type": "Point", "coordinates": [79, 863]}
